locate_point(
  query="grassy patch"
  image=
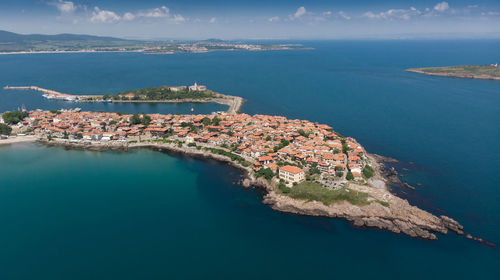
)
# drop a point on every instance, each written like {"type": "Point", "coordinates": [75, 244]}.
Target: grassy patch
{"type": "Point", "coordinates": [383, 203]}
{"type": "Point", "coordinates": [312, 191]}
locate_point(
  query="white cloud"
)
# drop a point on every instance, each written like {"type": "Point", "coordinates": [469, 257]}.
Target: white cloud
{"type": "Point", "coordinates": [128, 16]}
{"type": "Point", "coordinates": [103, 16]}
{"type": "Point", "coordinates": [343, 15]}
{"type": "Point", "coordinates": [441, 7]}
{"type": "Point", "coordinates": [393, 14]}
{"type": "Point", "coordinates": [299, 13]}
{"type": "Point", "coordinates": [161, 12]}
{"type": "Point", "coordinates": [273, 19]}
{"type": "Point", "coordinates": [156, 13]}
{"type": "Point", "coordinates": [177, 19]}
{"type": "Point", "coordinates": [65, 7]}
{"type": "Point", "coordinates": [213, 20]}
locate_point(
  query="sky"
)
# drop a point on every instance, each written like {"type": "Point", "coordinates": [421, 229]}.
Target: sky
{"type": "Point", "coordinates": [256, 19]}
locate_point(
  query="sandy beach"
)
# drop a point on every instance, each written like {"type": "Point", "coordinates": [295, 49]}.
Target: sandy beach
{"type": "Point", "coordinates": [18, 139]}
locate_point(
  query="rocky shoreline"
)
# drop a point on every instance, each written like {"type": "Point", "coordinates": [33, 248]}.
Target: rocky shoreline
{"type": "Point", "coordinates": [397, 216]}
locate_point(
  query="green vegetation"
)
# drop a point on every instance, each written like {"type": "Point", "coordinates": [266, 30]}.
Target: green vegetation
{"type": "Point", "coordinates": [464, 70]}
{"type": "Point", "coordinates": [144, 120]}
{"type": "Point", "coordinates": [230, 155]}
{"type": "Point", "coordinates": [383, 203]}
{"type": "Point", "coordinates": [311, 191]}
{"type": "Point", "coordinates": [368, 172]}
{"type": "Point", "coordinates": [14, 117]}
{"type": "Point", "coordinates": [266, 173]}
{"type": "Point", "coordinates": [283, 188]}
{"type": "Point", "coordinates": [349, 176]}
{"type": "Point", "coordinates": [314, 170]}
{"type": "Point", "coordinates": [162, 93]}
{"type": "Point", "coordinates": [303, 133]}
{"type": "Point", "coordinates": [5, 129]}
{"type": "Point", "coordinates": [345, 147]}
{"type": "Point", "coordinates": [283, 144]}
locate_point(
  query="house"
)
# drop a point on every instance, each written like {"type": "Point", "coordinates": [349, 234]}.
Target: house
{"type": "Point", "coordinates": [291, 174]}
{"type": "Point", "coordinates": [265, 159]}
{"type": "Point", "coordinates": [177, 88]}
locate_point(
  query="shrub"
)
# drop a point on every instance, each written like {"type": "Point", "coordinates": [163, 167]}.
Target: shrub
{"type": "Point", "coordinates": [5, 129]}
{"type": "Point", "coordinates": [283, 188]}
{"type": "Point", "coordinates": [368, 172]}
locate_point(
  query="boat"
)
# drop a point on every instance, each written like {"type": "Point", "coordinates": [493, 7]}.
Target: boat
{"type": "Point", "coordinates": [192, 109]}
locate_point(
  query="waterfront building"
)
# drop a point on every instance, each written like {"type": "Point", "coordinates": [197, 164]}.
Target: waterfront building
{"type": "Point", "coordinates": [291, 174]}
{"type": "Point", "coordinates": [197, 87]}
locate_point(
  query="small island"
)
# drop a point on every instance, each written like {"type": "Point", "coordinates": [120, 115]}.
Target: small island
{"type": "Point", "coordinates": [164, 94]}
{"type": "Point", "coordinates": [482, 72]}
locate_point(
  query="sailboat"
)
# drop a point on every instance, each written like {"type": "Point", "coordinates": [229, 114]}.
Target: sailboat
{"type": "Point", "coordinates": [192, 109]}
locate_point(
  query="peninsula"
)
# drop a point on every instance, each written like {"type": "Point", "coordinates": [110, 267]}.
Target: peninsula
{"type": "Point", "coordinates": [483, 72]}
{"type": "Point", "coordinates": [165, 94]}
{"type": "Point", "coordinates": [304, 167]}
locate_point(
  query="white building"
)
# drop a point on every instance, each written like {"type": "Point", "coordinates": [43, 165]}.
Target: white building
{"type": "Point", "coordinates": [197, 87]}
{"type": "Point", "coordinates": [292, 174]}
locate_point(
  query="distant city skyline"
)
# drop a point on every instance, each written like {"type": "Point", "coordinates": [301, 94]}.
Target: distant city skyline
{"type": "Point", "coordinates": [197, 19]}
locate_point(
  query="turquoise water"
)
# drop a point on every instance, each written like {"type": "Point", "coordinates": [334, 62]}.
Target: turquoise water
{"type": "Point", "coordinates": [77, 214]}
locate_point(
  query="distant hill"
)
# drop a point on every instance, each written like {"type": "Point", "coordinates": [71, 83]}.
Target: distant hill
{"type": "Point", "coordinates": [10, 37]}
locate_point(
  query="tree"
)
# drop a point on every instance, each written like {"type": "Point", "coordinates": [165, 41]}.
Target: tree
{"type": "Point", "coordinates": [79, 136]}
{"type": "Point", "coordinates": [314, 170]}
{"type": "Point", "coordinates": [268, 138]}
{"type": "Point", "coordinates": [368, 171]}
{"type": "Point", "coordinates": [283, 188]}
{"type": "Point", "coordinates": [349, 176]}
{"type": "Point", "coordinates": [216, 121]}
{"type": "Point", "coordinates": [146, 120]}
{"type": "Point", "coordinates": [135, 119]}
{"type": "Point", "coordinates": [5, 129]}
{"type": "Point", "coordinates": [206, 121]}
{"type": "Point", "coordinates": [106, 96]}
{"type": "Point", "coordinates": [14, 117]}
{"type": "Point", "coordinates": [266, 173]}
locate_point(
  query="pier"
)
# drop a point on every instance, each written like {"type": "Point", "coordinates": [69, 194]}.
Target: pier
{"type": "Point", "coordinates": [52, 94]}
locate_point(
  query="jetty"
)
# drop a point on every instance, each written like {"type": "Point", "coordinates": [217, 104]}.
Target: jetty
{"type": "Point", "coordinates": [52, 94]}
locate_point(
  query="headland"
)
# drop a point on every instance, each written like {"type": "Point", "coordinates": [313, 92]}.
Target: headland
{"type": "Point", "coordinates": [482, 72]}
{"type": "Point", "coordinates": [304, 167]}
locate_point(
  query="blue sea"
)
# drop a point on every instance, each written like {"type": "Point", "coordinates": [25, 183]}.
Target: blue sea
{"type": "Point", "coordinates": [70, 214]}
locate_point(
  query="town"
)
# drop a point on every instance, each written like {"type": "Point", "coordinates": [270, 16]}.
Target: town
{"type": "Point", "coordinates": [291, 151]}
